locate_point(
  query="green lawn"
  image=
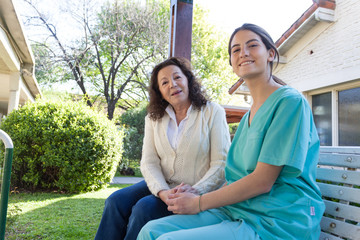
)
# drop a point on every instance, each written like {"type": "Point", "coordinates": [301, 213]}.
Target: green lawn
{"type": "Point", "coordinates": [55, 215]}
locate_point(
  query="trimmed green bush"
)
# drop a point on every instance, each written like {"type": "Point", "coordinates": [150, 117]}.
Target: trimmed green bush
{"type": "Point", "coordinates": [62, 145]}
{"type": "Point", "coordinates": [134, 123]}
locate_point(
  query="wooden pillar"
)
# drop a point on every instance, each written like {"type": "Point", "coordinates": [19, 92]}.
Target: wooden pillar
{"type": "Point", "coordinates": [181, 12]}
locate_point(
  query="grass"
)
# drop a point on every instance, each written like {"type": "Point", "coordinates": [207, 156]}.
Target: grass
{"type": "Point", "coordinates": [55, 215]}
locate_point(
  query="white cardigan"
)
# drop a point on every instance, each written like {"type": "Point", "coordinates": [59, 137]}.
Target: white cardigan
{"type": "Point", "coordinates": [199, 159]}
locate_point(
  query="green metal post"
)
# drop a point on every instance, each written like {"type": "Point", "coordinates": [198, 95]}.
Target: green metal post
{"type": "Point", "coordinates": [5, 184]}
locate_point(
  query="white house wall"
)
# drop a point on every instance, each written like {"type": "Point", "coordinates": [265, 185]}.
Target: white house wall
{"type": "Point", "coordinates": [328, 54]}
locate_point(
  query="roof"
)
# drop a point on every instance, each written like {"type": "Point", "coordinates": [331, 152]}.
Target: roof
{"type": "Point", "coordinates": [234, 114]}
{"type": "Point", "coordinates": [12, 26]}
{"type": "Point", "coordinates": [235, 86]}
{"type": "Point", "coordinates": [320, 10]}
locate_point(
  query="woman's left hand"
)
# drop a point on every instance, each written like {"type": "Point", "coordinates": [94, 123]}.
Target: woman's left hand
{"type": "Point", "coordinates": [183, 203]}
{"type": "Point", "coordinates": [183, 188]}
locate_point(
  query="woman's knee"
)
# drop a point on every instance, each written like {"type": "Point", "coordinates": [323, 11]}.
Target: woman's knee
{"type": "Point", "coordinates": [150, 206]}
{"type": "Point", "coordinates": [114, 198]}
{"type": "Point", "coordinates": [120, 200]}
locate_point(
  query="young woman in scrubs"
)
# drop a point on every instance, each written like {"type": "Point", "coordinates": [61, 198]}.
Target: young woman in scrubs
{"type": "Point", "coordinates": [271, 192]}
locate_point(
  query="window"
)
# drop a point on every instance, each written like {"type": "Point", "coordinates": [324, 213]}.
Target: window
{"type": "Point", "coordinates": [349, 117]}
{"type": "Point", "coordinates": [337, 116]}
{"type": "Point", "coordinates": [321, 107]}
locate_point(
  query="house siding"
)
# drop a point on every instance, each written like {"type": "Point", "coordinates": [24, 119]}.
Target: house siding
{"type": "Point", "coordinates": [328, 54]}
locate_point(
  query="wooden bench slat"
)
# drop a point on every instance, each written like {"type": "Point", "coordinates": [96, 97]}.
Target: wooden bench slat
{"type": "Point", "coordinates": [342, 160]}
{"type": "Point", "coordinates": [340, 176]}
{"type": "Point", "coordinates": [340, 228]}
{"type": "Point", "coordinates": [340, 192]}
{"type": "Point", "coordinates": [340, 149]}
{"type": "Point", "coordinates": [340, 156]}
{"type": "Point", "coordinates": [327, 236]}
{"type": "Point", "coordinates": [342, 210]}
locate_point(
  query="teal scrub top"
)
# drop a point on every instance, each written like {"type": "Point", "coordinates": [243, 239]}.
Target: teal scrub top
{"type": "Point", "coordinates": [282, 133]}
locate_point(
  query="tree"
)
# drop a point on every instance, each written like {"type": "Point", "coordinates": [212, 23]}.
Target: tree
{"type": "Point", "coordinates": [112, 59]}
{"type": "Point", "coordinates": [126, 37]}
{"type": "Point", "coordinates": [210, 58]}
{"type": "Point", "coordinates": [111, 56]}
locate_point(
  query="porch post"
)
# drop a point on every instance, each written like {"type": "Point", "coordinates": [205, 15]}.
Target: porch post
{"type": "Point", "coordinates": [181, 12]}
{"type": "Point", "coordinates": [14, 95]}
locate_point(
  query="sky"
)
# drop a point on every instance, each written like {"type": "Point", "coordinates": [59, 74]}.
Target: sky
{"type": "Point", "coordinates": [275, 16]}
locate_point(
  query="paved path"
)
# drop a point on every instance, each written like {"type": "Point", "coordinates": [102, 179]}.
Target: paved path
{"type": "Point", "coordinates": [126, 180]}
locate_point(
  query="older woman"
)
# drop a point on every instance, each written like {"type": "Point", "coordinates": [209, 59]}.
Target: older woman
{"type": "Point", "coordinates": [185, 146]}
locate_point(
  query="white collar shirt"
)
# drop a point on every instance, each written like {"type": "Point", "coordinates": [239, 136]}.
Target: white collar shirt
{"type": "Point", "coordinates": [174, 132]}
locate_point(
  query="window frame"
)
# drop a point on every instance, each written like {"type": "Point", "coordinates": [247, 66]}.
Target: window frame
{"type": "Point", "coordinates": [335, 89]}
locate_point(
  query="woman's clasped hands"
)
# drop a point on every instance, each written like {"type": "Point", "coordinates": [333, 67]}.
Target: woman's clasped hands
{"type": "Point", "coordinates": [183, 199]}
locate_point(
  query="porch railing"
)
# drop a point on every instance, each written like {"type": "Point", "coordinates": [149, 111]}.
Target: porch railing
{"type": "Point", "coordinates": [5, 174]}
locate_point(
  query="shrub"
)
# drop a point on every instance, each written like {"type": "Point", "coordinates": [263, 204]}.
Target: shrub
{"type": "Point", "coordinates": [233, 127]}
{"type": "Point", "coordinates": [134, 122]}
{"type": "Point", "coordinates": [62, 145]}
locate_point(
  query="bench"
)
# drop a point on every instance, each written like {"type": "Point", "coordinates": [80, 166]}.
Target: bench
{"type": "Point", "coordinates": [338, 177]}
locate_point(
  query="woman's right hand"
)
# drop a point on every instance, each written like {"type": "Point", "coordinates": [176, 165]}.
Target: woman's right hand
{"type": "Point", "coordinates": [163, 195]}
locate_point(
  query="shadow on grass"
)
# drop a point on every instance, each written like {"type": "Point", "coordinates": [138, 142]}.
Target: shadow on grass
{"type": "Point", "coordinates": [64, 219]}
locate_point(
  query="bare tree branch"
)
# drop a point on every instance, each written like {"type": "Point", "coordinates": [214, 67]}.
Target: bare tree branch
{"type": "Point", "coordinates": [116, 44]}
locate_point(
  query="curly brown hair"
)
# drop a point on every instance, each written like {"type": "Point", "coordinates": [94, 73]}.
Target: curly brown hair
{"type": "Point", "coordinates": [157, 104]}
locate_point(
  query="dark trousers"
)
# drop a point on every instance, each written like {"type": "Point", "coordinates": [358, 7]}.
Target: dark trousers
{"type": "Point", "coordinates": [127, 211]}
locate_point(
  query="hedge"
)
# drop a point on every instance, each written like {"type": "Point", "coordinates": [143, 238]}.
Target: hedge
{"type": "Point", "coordinates": [62, 145]}
{"type": "Point", "coordinates": [134, 123]}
